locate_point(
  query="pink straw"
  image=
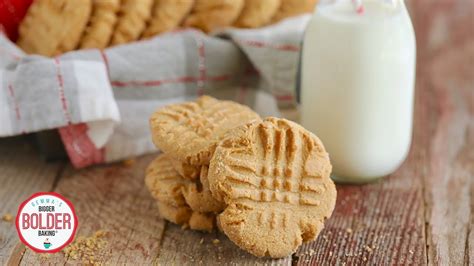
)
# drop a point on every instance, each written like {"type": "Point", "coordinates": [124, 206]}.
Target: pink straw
{"type": "Point", "coordinates": [358, 6]}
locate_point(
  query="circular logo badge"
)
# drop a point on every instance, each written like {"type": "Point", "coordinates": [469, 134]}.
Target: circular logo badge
{"type": "Point", "coordinates": [46, 222]}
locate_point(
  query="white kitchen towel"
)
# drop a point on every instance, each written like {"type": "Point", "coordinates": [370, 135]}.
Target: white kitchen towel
{"type": "Point", "coordinates": [101, 100]}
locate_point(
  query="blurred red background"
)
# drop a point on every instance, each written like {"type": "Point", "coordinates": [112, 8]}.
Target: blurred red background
{"type": "Point", "coordinates": [11, 14]}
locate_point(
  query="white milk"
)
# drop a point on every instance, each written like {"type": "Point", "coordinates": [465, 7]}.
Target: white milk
{"type": "Point", "coordinates": [358, 86]}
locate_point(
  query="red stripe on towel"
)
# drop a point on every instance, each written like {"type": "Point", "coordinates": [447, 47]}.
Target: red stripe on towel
{"type": "Point", "coordinates": [281, 47]}
{"type": "Point", "coordinates": [106, 62]}
{"type": "Point", "coordinates": [15, 103]}
{"type": "Point", "coordinates": [81, 150]}
{"type": "Point", "coordinates": [284, 97]}
{"type": "Point", "coordinates": [62, 96]}
{"type": "Point", "coordinates": [157, 83]}
{"type": "Point", "coordinates": [16, 107]}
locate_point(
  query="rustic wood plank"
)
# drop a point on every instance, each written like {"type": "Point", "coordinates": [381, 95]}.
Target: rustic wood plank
{"type": "Point", "coordinates": [470, 243]}
{"type": "Point", "coordinates": [448, 185]}
{"type": "Point", "coordinates": [446, 56]}
{"type": "Point", "coordinates": [187, 247]}
{"type": "Point", "coordinates": [22, 173]}
{"type": "Point", "coordinates": [449, 177]}
{"type": "Point", "coordinates": [377, 224]}
{"type": "Point", "coordinates": [114, 199]}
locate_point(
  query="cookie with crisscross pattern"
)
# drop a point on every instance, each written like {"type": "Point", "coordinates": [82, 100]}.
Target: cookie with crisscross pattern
{"type": "Point", "coordinates": [274, 177]}
{"type": "Point", "coordinates": [189, 132]}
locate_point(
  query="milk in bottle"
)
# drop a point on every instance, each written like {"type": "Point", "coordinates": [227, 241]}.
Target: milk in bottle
{"type": "Point", "coordinates": [358, 72]}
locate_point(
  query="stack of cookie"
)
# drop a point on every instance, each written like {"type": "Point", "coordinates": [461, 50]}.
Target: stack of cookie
{"type": "Point", "coordinates": [180, 198]}
{"type": "Point", "coordinates": [267, 181]}
{"type": "Point", "coordinates": [188, 134]}
{"type": "Point", "coordinates": [52, 27]}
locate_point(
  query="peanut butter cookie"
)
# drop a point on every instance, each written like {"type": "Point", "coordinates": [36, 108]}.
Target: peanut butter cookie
{"type": "Point", "coordinates": [133, 17]}
{"type": "Point", "coordinates": [167, 15]}
{"type": "Point", "coordinates": [164, 183]}
{"type": "Point", "coordinates": [257, 13]}
{"type": "Point", "coordinates": [199, 197]}
{"type": "Point", "coordinates": [181, 200]}
{"type": "Point", "coordinates": [210, 15]}
{"type": "Point", "coordinates": [101, 25]}
{"type": "Point", "coordinates": [190, 131]}
{"type": "Point", "coordinates": [291, 8]}
{"type": "Point", "coordinates": [274, 177]}
{"type": "Point", "coordinates": [168, 187]}
{"type": "Point", "coordinates": [186, 170]}
{"type": "Point", "coordinates": [183, 215]}
{"type": "Point", "coordinates": [52, 27]}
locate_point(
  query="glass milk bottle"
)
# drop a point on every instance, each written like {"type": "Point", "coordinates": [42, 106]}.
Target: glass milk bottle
{"type": "Point", "coordinates": [358, 72]}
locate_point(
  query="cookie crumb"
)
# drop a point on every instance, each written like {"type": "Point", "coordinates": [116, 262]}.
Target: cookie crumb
{"type": "Point", "coordinates": [349, 230]}
{"type": "Point", "coordinates": [411, 251]}
{"type": "Point", "coordinates": [368, 249]}
{"type": "Point", "coordinates": [364, 258]}
{"type": "Point", "coordinates": [7, 217]}
{"type": "Point", "coordinates": [216, 241]}
{"type": "Point", "coordinates": [330, 253]}
{"type": "Point", "coordinates": [44, 256]}
{"type": "Point", "coordinates": [184, 226]}
{"type": "Point", "coordinates": [311, 252]}
{"type": "Point", "coordinates": [129, 162]}
{"type": "Point", "coordinates": [202, 241]}
{"type": "Point", "coordinates": [85, 248]}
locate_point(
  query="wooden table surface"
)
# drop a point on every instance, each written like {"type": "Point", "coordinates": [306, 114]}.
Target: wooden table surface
{"type": "Point", "coordinates": [422, 214]}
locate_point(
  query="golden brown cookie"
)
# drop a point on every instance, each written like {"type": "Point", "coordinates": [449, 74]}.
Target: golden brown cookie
{"type": "Point", "coordinates": [77, 16]}
{"type": "Point", "coordinates": [101, 24]}
{"type": "Point", "coordinates": [177, 215]}
{"type": "Point", "coordinates": [185, 216]}
{"type": "Point", "coordinates": [186, 170]}
{"type": "Point", "coordinates": [210, 15]}
{"type": "Point", "coordinates": [257, 13]}
{"type": "Point", "coordinates": [168, 187]}
{"type": "Point", "coordinates": [291, 8]}
{"type": "Point", "coordinates": [167, 15]}
{"type": "Point", "coordinates": [164, 183]}
{"type": "Point", "coordinates": [202, 221]}
{"type": "Point", "coordinates": [51, 27]}
{"type": "Point", "coordinates": [274, 177]}
{"type": "Point", "coordinates": [199, 197]}
{"type": "Point", "coordinates": [133, 17]}
{"type": "Point", "coordinates": [190, 131]}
